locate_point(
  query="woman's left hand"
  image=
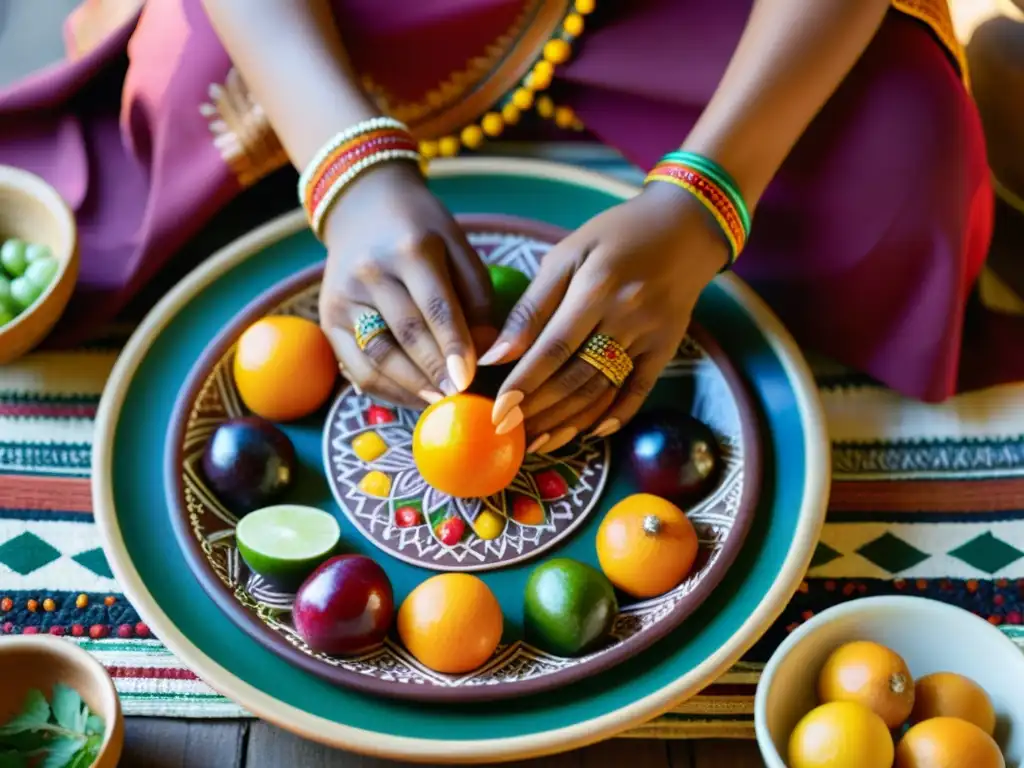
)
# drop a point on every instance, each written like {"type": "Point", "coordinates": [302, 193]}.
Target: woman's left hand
{"type": "Point", "coordinates": [634, 273]}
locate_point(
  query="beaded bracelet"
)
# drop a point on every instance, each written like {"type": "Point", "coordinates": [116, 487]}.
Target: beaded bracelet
{"type": "Point", "coordinates": [714, 188]}
{"type": "Point", "coordinates": [345, 157]}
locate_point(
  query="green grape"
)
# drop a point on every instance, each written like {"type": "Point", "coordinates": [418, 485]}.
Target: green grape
{"type": "Point", "coordinates": [42, 271]}
{"type": "Point", "coordinates": [12, 257]}
{"type": "Point", "coordinates": [24, 292]}
{"type": "Point", "coordinates": [36, 251]}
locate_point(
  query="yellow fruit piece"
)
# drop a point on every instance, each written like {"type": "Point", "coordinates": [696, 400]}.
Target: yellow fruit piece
{"type": "Point", "coordinates": [585, 6]}
{"type": "Point", "coordinates": [375, 483]}
{"type": "Point", "coordinates": [369, 446]}
{"type": "Point", "coordinates": [870, 674]}
{"type": "Point", "coordinates": [489, 525]}
{"type": "Point", "coordinates": [946, 694]}
{"type": "Point", "coordinates": [948, 742]}
{"type": "Point", "coordinates": [510, 114]}
{"type": "Point", "coordinates": [840, 735]}
{"type": "Point", "coordinates": [451, 623]}
{"type": "Point", "coordinates": [539, 79]}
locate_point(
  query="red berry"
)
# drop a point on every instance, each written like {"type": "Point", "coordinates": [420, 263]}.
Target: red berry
{"type": "Point", "coordinates": [407, 517]}
{"type": "Point", "coordinates": [375, 414]}
{"type": "Point", "coordinates": [451, 530]}
{"type": "Point", "coordinates": [58, 631]}
{"type": "Point", "coordinates": [125, 630]}
{"type": "Point", "coordinates": [8, 627]}
{"type": "Point", "coordinates": [527, 511]}
{"type": "Point", "coordinates": [97, 631]}
{"type": "Point", "coordinates": [551, 485]}
{"type": "Point", "coordinates": [30, 631]}
{"type": "Point", "coordinates": [141, 630]}
{"type": "Point", "coordinates": [77, 630]}
{"type": "Point", "coordinates": [6, 604]}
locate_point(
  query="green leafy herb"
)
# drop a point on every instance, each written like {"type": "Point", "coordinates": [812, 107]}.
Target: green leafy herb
{"type": "Point", "coordinates": [61, 733]}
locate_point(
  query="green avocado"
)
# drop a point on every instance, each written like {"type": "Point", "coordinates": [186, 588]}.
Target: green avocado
{"type": "Point", "coordinates": [509, 285]}
{"type": "Point", "coordinates": [569, 607]}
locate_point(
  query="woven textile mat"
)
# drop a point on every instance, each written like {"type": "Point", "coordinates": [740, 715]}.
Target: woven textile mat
{"type": "Point", "coordinates": [926, 500]}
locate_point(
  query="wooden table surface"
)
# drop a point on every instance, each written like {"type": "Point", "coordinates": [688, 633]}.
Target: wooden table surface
{"type": "Point", "coordinates": [160, 743]}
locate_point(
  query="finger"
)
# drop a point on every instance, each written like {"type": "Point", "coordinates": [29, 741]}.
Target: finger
{"type": "Point", "coordinates": [427, 279]}
{"type": "Point", "coordinates": [364, 375]}
{"type": "Point", "coordinates": [408, 353]}
{"type": "Point", "coordinates": [578, 423]}
{"type": "Point", "coordinates": [472, 284]}
{"type": "Point", "coordinates": [647, 369]}
{"type": "Point", "coordinates": [575, 319]}
{"type": "Point", "coordinates": [546, 420]}
{"type": "Point", "coordinates": [529, 315]}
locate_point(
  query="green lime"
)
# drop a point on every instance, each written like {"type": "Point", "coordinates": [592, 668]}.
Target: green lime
{"type": "Point", "coordinates": [12, 257]}
{"type": "Point", "coordinates": [286, 542]}
{"type": "Point", "coordinates": [24, 292]}
{"type": "Point", "coordinates": [42, 271]}
{"type": "Point", "coordinates": [569, 607]}
{"type": "Point", "coordinates": [509, 285]}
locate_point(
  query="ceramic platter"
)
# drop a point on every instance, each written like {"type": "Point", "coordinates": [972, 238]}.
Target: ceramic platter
{"type": "Point", "coordinates": [131, 480]}
{"type": "Point", "coordinates": [566, 493]}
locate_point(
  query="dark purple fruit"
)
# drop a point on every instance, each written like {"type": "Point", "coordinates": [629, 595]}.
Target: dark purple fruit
{"type": "Point", "coordinates": [248, 463]}
{"type": "Point", "coordinates": [345, 606]}
{"type": "Point", "coordinates": [672, 455]}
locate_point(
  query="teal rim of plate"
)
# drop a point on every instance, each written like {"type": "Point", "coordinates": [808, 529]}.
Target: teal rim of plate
{"type": "Point", "coordinates": [128, 504]}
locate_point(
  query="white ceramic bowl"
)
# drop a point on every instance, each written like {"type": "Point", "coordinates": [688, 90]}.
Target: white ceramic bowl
{"type": "Point", "coordinates": [929, 635]}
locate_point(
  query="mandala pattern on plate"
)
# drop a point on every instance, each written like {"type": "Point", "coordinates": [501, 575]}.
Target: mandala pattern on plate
{"type": "Point", "coordinates": [696, 374]}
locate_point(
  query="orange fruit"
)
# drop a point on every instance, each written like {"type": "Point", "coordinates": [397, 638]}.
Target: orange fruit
{"type": "Point", "coordinates": [872, 675]}
{"type": "Point", "coordinates": [947, 694]}
{"type": "Point", "coordinates": [948, 742]}
{"type": "Point", "coordinates": [646, 545]}
{"type": "Point", "coordinates": [842, 734]}
{"type": "Point", "coordinates": [284, 367]}
{"type": "Point", "coordinates": [458, 452]}
{"type": "Point", "coordinates": [452, 623]}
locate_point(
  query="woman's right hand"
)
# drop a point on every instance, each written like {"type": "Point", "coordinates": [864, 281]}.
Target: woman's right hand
{"type": "Point", "coordinates": [393, 248]}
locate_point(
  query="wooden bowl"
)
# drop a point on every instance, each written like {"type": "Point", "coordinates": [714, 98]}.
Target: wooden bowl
{"type": "Point", "coordinates": [32, 210]}
{"type": "Point", "coordinates": [40, 661]}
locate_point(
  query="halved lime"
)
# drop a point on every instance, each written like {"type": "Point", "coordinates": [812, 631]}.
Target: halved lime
{"type": "Point", "coordinates": [286, 542]}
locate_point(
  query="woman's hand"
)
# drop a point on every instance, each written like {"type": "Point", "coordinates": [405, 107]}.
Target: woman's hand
{"type": "Point", "coordinates": [393, 248]}
{"type": "Point", "coordinates": [634, 273]}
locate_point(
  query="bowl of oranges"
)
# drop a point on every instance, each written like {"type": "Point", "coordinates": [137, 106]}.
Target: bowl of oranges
{"type": "Point", "coordinates": [887, 682]}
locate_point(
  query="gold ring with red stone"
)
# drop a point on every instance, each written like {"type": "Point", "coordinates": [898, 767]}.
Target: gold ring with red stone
{"type": "Point", "coordinates": [609, 357]}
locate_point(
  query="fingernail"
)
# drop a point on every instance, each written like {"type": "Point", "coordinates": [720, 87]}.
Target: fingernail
{"type": "Point", "coordinates": [506, 402]}
{"type": "Point", "coordinates": [538, 442]}
{"type": "Point", "coordinates": [356, 388]}
{"type": "Point", "coordinates": [510, 422]}
{"type": "Point", "coordinates": [447, 387]}
{"type": "Point", "coordinates": [560, 438]}
{"type": "Point", "coordinates": [606, 427]}
{"type": "Point", "coordinates": [459, 373]}
{"type": "Point", "coordinates": [495, 353]}
{"type": "Point", "coordinates": [483, 337]}
{"type": "Point", "coordinates": [430, 395]}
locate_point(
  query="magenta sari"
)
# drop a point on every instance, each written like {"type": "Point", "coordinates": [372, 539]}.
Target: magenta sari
{"type": "Point", "coordinates": [868, 243]}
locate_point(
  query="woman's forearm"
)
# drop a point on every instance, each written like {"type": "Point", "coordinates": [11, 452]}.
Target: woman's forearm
{"type": "Point", "coordinates": [791, 57]}
{"type": "Point", "coordinates": [291, 56]}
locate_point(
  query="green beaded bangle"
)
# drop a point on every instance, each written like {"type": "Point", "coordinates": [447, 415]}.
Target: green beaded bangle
{"type": "Point", "coordinates": [717, 174]}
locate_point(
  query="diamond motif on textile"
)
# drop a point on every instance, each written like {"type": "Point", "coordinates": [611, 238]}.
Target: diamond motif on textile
{"type": "Point", "coordinates": [26, 553]}
{"type": "Point", "coordinates": [823, 555]}
{"type": "Point", "coordinates": [95, 561]}
{"type": "Point", "coordinates": [892, 553]}
{"type": "Point", "coordinates": [987, 553]}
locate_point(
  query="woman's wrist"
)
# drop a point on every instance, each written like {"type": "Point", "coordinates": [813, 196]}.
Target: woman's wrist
{"type": "Point", "coordinates": [685, 211]}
